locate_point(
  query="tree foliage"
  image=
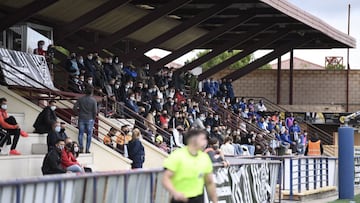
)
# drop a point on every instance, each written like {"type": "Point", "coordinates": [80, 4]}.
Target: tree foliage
{"type": "Point", "coordinates": [222, 57]}
{"type": "Point", "coordinates": [335, 67]}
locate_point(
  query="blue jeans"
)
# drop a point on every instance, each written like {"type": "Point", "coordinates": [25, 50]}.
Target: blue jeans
{"type": "Point", "coordinates": [85, 126]}
{"type": "Point", "coordinates": [75, 169]}
{"type": "Point", "coordinates": [251, 149]}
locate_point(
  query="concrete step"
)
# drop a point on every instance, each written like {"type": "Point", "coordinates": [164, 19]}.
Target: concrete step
{"type": "Point", "coordinates": [30, 165]}
{"type": "Point", "coordinates": [34, 144]}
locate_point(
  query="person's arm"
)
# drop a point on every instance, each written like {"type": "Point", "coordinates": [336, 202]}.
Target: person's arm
{"type": "Point", "coordinates": [321, 148]}
{"type": "Point", "coordinates": [166, 181]}
{"type": "Point", "coordinates": [95, 109]}
{"type": "Point", "coordinates": [76, 108]}
{"type": "Point", "coordinates": [210, 187]}
{"type": "Point", "coordinates": [5, 125]}
{"type": "Point", "coordinates": [66, 160]}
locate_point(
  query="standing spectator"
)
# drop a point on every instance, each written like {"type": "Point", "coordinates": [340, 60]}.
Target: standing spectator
{"type": "Point", "coordinates": [295, 131]}
{"type": "Point", "coordinates": [46, 118]}
{"type": "Point", "coordinates": [314, 147]}
{"type": "Point", "coordinates": [230, 89]}
{"type": "Point", "coordinates": [40, 48]}
{"type": "Point", "coordinates": [72, 65]}
{"type": "Point", "coordinates": [185, 180]}
{"type": "Point", "coordinates": [68, 161]}
{"type": "Point", "coordinates": [54, 135]}
{"type": "Point", "coordinates": [89, 66]}
{"type": "Point", "coordinates": [289, 121]}
{"type": "Point", "coordinates": [52, 160]}
{"type": "Point", "coordinates": [150, 121]}
{"type": "Point", "coordinates": [136, 150]}
{"type": "Point", "coordinates": [9, 124]}
{"type": "Point", "coordinates": [86, 108]}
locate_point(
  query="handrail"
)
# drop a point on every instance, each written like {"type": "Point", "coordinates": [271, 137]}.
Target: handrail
{"type": "Point", "coordinates": [63, 96]}
{"type": "Point", "coordinates": [326, 137]}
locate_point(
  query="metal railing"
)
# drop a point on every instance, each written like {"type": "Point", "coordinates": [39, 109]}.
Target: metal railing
{"type": "Point", "coordinates": [305, 173]}
{"type": "Point", "coordinates": [142, 186]}
{"type": "Point", "coordinates": [325, 137]}
{"type": "Point", "coordinates": [67, 99]}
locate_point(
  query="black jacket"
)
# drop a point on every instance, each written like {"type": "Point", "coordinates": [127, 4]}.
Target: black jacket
{"type": "Point", "coordinates": [52, 163]}
{"type": "Point", "coordinates": [45, 120]}
{"type": "Point", "coordinates": [52, 138]}
{"type": "Point", "coordinates": [136, 151]}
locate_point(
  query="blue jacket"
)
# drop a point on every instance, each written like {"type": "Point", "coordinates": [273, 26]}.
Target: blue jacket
{"type": "Point", "coordinates": [230, 90]}
{"type": "Point", "coordinates": [132, 105]}
{"type": "Point", "coordinates": [285, 138]}
{"type": "Point", "coordinates": [136, 151]}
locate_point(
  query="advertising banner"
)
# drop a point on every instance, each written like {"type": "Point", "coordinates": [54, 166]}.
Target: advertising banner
{"type": "Point", "coordinates": [34, 66]}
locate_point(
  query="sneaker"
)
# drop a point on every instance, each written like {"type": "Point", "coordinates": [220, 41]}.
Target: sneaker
{"type": "Point", "coordinates": [24, 134]}
{"type": "Point", "coordinates": [14, 152]}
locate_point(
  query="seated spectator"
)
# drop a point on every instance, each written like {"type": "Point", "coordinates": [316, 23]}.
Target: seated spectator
{"type": "Point", "coordinates": [108, 137]}
{"type": "Point", "coordinates": [260, 107]}
{"type": "Point", "coordinates": [164, 118]}
{"type": "Point", "coordinates": [123, 138]}
{"type": "Point", "coordinates": [136, 150]}
{"type": "Point", "coordinates": [46, 118]}
{"type": "Point", "coordinates": [199, 122]}
{"type": "Point", "coordinates": [62, 132]}
{"type": "Point", "coordinates": [10, 125]}
{"type": "Point", "coordinates": [131, 103]}
{"type": "Point", "coordinates": [247, 140]}
{"type": "Point", "coordinates": [68, 161]}
{"type": "Point", "coordinates": [52, 160]}
{"type": "Point", "coordinates": [53, 136]}
{"type": "Point", "coordinates": [227, 148]}
{"type": "Point", "coordinates": [159, 141]}
{"type": "Point", "coordinates": [75, 85]}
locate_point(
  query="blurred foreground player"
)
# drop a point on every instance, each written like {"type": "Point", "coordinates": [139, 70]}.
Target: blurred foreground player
{"type": "Point", "coordinates": [188, 170]}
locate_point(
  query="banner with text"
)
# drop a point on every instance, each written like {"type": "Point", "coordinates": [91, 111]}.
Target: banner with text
{"type": "Point", "coordinates": [34, 66]}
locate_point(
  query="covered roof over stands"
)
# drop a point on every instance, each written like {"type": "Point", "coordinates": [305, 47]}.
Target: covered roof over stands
{"type": "Point", "coordinates": [131, 28]}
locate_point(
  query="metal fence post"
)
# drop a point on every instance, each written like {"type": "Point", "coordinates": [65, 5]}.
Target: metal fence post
{"type": "Point", "coordinates": [59, 192]}
{"type": "Point", "coordinates": [315, 173]}
{"type": "Point", "coordinates": [299, 175]}
{"type": "Point", "coordinates": [327, 171]}
{"type": "Point", "coordinates": [152, 188]}
{"type": "Point", "coordinates": [95, 190]}
{"type": "Point", "coordinates": [321, 172]}
{"type": "Point", "coordinates": [307, 174]}
{"type": "Point", "coordinates": [18, 193]}
{"type": "Point", "coordinates": [291, 178]}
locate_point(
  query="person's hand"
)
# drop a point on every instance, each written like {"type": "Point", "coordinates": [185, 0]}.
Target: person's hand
{"type": "Point", "coordinates": [180, 197]}
{"type": "Point", "coordinates": [17, 126]}
{"type": "Point", "coordinates": [226, 163]}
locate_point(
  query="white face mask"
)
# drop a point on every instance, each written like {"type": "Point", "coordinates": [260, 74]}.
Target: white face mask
{"type": "Point", "coordinates": [158, 100]}
{"type": "Point", "coordinates": [132, 98]}
{"type": "Point", "coordinates": [117, 86]}
{"type": "Point", "coordinates": [53, 108]}
{"type": "Point", "coordinates": [57, 129]}
{"type": "Point", "coordinates": [4, 106]}
{"type": "Point", "coordinates": [90, 57]}
{"type": "Point", "coordinates": [154, 114]}
{"type": "Point", "coordinates": [90, 82]}
{"type": "Point", "coordinates": [76, 149]}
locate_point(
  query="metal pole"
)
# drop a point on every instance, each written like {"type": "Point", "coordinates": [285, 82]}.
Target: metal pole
{"type": "Point", "coordinates": [278, 85]}
{"type": "Point", "coordinates": [348, 64]}
{"type": "Point", "coordinates": [291, 79]}
{"type": "Point", "coordinates": [346, 162]}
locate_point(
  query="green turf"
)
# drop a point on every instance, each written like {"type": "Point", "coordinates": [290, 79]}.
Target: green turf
{"type": "Point", "coordinates": [357, 200]}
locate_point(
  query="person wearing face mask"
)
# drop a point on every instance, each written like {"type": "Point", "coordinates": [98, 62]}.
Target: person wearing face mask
{"type": "Point", "coordinates": [46, 118]}
{"type": "Point", "coordinates": [72, 65]}
{"type": "Point", "coordinates": [11, 128]}
{"type": "Point", "coordinates": [199, 122]}
{"type": "Point", "coordinates": [89, 65]}
{"type": "Point", "coordinates": [68, 161]}
{"type": "Point", "coordinates": [74, 85]}
{"type": "Point", "coordinates": [52, 160]}
{"type": "Point", "coordinates": [62, 133]}
{"type": "Point", "coordinates": [124, 138]}
{"type": "Point", "coordinates": [54, 135]}
{"type": "Point", "coordinates": [131, 103]}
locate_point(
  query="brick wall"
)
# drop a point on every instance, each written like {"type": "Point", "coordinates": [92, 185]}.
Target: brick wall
{"type": "Point", "coordinates": [310, 86]}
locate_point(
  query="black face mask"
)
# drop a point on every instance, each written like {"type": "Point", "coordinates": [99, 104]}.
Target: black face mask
{"type": "Point", "coordinates": [62, 130]}
{"type": "Point", "coordinates": [126, 132]}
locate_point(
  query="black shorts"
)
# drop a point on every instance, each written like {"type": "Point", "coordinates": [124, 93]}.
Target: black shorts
{"type": "Point", "coordinates": [197, 199]}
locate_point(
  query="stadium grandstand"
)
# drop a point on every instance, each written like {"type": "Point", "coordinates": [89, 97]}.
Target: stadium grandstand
{"type": "Point", "coordinates": [59, 57]}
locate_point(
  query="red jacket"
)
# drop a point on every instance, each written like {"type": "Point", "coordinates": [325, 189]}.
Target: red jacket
{"type": "Point", "coordinates": [68, 159]}
{"type": "Point", "coordinates": [3, 123]}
